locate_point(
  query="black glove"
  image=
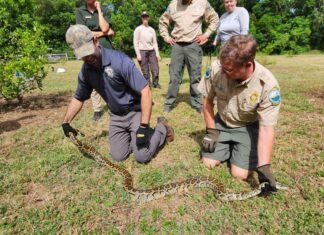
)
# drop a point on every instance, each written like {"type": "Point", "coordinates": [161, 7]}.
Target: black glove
{"type": "Point", "coordinates": [210, 140]}
{"type": "Point", "coordinates": [69, 129]}
{"type": "Point", "coordinates": [265, 176]}
{"type": "Point", "coordinates": [143, 136]}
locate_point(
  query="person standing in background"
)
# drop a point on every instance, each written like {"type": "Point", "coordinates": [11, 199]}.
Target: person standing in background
{"type": "Point", "coordinates": [186, 40]}
{"type": "Point", "coordinates": [234, 22]}
{"type": "Point", "coordinates": [147, 50]}
{"type": "Point", "coordinates": [91, 15]}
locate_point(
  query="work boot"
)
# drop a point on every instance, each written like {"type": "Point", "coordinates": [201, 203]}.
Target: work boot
{"type": "Point", "coordinates": [97, 116]}
{"type": "Point", "coordinates": [198, 109]}
{"type": "Point", "coordinates": [170, 131]}
{"type": "Point", "coordinates": [158, 86]}
{"type": "Point", "coordinates": [167, 109]}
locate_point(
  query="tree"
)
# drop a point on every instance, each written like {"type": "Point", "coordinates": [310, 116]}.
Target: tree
{"type": "Point", "coordinates": [22, 49]}
{"type": "Point", "coordinates": [56, 17]}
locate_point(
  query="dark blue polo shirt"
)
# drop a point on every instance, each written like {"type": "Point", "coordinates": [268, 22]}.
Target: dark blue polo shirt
{"type": "Point", "coordinates": [118, 81]}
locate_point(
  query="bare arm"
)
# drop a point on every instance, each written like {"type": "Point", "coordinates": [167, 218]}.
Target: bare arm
{"type": "Point", "coordinates": [146, 104]}
{"type": "Point", "coordinates": [265, 144]}
{"type": "Point", "coordinates": [208, 109]}
{"type": "Point", "coordinates": [99, 34]}
{"type": "Point", "coordinates": [74, 108]}
{"type": "Point", "coordinates": [104, 26]}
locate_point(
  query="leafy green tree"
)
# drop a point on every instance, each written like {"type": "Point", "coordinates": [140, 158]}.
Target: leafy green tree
{"type": "Point", "coordinates": [56, 17]}
{"type": "Point", "coordinates": [125, 19]}
{"type": "Point", "coordinates": [22, 49]}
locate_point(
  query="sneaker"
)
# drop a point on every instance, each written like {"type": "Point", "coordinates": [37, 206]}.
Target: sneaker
{"type": "Point", "coordinates": [170, 131]}
{"type": "Point", "coordinates": [199, 109]}
{"type": "Point", "coordinates": [167, 109]}
{"type": "Point", "coordinates": [97, 116]}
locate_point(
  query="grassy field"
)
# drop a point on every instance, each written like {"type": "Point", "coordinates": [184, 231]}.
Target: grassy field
{"type": "Point", "coordinates": [48, 187]}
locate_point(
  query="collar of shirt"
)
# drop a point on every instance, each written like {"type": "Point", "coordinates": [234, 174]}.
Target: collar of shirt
{"type": "Point", "coordinates": [105, 58]}
{"type": "Point", "coordinates": [85, 8]}
{"type": "Point", "coordinates": [247, 81]}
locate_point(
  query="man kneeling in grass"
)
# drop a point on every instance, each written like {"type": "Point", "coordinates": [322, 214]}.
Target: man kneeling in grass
{"type": "Point", "coordinates": [115, 77]}
{"type": "Point", "coordinates": [248, 101]}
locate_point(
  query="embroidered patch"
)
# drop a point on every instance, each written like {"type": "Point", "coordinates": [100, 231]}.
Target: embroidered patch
{"type": "Point", "coordinates": [254, 97]}
{"type": "Point", "coordinates": [109, 72]}
{"type": "Point", "coordinates": [274, 96]}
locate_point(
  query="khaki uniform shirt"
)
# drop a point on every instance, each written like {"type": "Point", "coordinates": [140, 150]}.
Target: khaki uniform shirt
{"type": "Point", "coordinates": [187, 20]}
{"type": "Point", "coordinates": [145, 39]}
{"type": "Point", "coordinates": [242, 103]}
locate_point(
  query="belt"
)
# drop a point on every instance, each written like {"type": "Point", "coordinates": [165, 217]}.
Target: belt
{"type": "Point", "coordinates": [184, 43]}
{"type": "Point", "coordinates": [127, 110]}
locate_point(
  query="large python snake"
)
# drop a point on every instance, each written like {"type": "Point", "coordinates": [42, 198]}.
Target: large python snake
{"type": "Point", "coordinates": [146, 195]}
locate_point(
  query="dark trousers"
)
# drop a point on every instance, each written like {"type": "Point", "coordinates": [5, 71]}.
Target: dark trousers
{"type": "Point", "coordinates": [189, 54]}
{"type": "Point", "coordinates": [150, 62]}
{"type": "Point", "coordinates": [122, 138]}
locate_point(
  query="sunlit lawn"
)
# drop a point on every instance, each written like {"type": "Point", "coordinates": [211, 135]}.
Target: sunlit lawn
{"type": "Point", "coordinates": [48, 187]}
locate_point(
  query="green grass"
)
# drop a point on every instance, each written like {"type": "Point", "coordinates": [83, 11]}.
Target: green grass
{"type": "Point", "coordinates": [48, 187]}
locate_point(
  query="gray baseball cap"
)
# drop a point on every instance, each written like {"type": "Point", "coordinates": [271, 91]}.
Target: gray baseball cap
{"type": "Point", "coordinates": [79, 38]}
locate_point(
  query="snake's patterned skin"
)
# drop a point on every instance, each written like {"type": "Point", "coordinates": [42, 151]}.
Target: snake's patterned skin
{"type": "Point", "coordinates": [145, 195]}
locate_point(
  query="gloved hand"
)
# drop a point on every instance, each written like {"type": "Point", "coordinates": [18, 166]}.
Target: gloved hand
{"type": "Point", "coordinates": [143, 136]}
{"type": "Point", "coordinates": [265, 176]}
{"type": "Point", "coordinates": [69, 129]}
{"type": "Point", "coordinates": [210, 140]}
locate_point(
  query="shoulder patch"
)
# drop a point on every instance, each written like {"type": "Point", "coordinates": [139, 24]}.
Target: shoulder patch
{"type": "Point", "coordinates": [274, 96]}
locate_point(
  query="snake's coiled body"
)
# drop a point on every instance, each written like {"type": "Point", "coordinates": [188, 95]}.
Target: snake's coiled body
{"type": "Point", "coordinates": [167, 189]}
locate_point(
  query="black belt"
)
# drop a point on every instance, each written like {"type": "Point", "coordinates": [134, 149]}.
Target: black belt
{"type": "Point", "coordinates": [184, 43]}
{"type": "Point", "coordinates": [127, 110]}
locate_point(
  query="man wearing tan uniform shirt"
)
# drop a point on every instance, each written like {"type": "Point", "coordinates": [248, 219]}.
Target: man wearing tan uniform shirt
{"type": "Point", "coordinates": [147, 50]}
{"type": "Point", "coordinates": [186, 38]}
{"type": "Point", "coordinates": [248, 101]}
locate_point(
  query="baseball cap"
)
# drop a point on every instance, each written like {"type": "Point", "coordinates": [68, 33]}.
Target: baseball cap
{"type": "Point", "coordinates": [144, 13]}
{"type": "Point", "coordinates": [79, 38]}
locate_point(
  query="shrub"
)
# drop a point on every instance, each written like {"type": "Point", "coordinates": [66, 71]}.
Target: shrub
{"type": "Point", "coordinates": [22, 62]}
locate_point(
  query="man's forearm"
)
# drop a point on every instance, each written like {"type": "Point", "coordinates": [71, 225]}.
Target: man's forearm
{"type": "Point", "coordinates": [208, 109]}
{"type": "Point", "coordinates": [146, 105]}
{"type": "Point", "coordinates": [73, 109]}
{"type": "Point", "coordinates": [99, 34]}
{"type": "Point", "coordinates": [265, 144]}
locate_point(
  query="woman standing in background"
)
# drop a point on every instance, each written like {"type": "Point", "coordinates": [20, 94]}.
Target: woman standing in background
{"type": "Point", "coordinates": [235, 21]}
{"type": "Point", "coordinates": [147, 50]}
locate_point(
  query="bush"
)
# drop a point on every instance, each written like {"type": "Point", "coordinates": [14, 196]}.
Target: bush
{"type": "Point", "coordinates": [22, 62]}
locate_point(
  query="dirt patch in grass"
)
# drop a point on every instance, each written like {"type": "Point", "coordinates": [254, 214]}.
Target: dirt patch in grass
{"type": "Point", "coordinates": [317, 97]}
{"type": "Point", "coordinates": [37, 194]}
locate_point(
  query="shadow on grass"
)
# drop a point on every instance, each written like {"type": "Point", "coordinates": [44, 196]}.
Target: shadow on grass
{"type": "Point", "coordinates": [13, 125]}
{"type": "Point", "coordinates": [181, 98]}
{"type": "Point", "coordinates": [197, 136]}
{"type": "Point", "coordinates": [36, 102]}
